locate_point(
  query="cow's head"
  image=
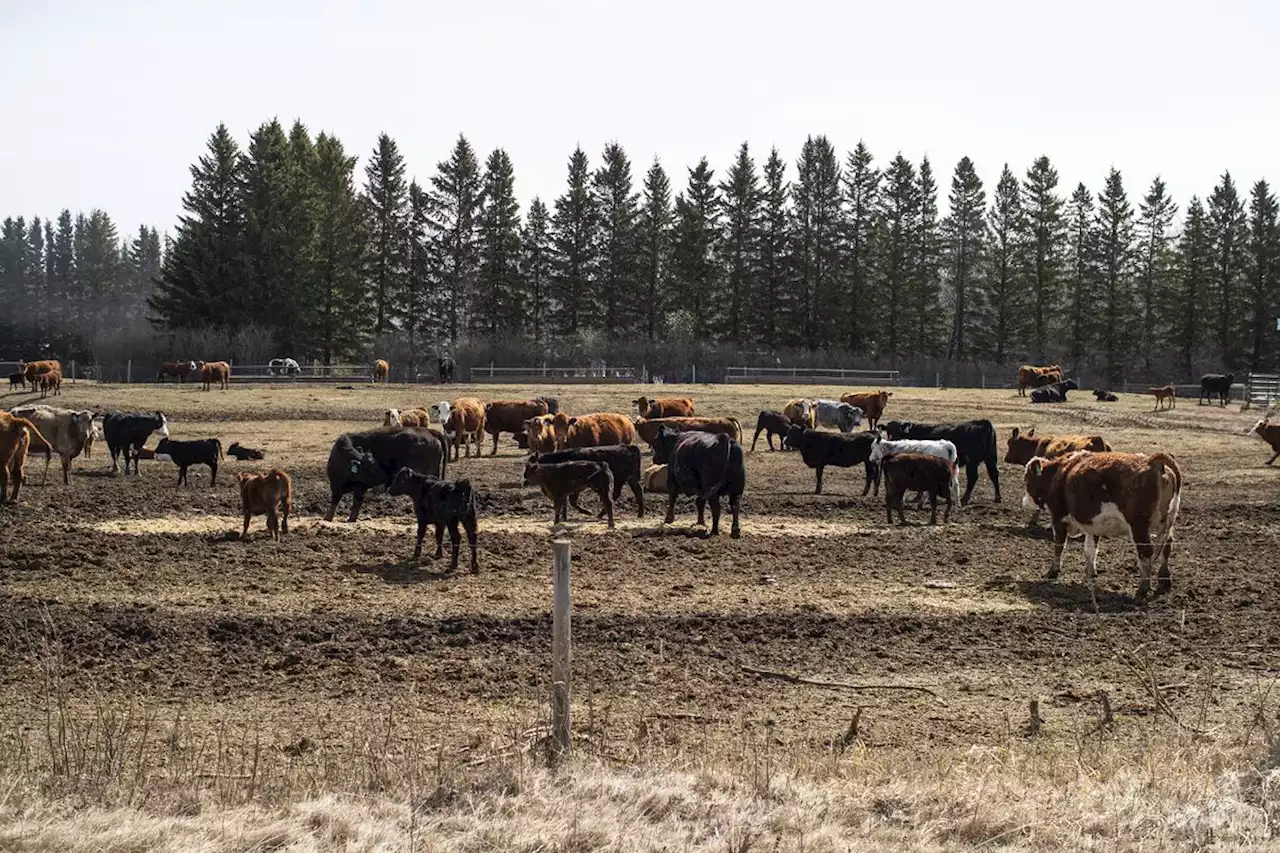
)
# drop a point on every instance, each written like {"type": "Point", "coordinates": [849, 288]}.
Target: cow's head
{"type": "Point", "coordinates": [1021, 447]}
{"type": "Point", "coordinates": [1039, 475]}
{"type": "Point", "coordinates": [642, 404]}
{"type": "Point", "coordinates": [405, 482]}
{"type": "Point", "coordinates": [560, 425]}
{"type": "Point", "coordinates": [664, 443]}
{"type": "Point", "coordinates": [795, 435]}
{"type": "Point", "coordinates": [531, 471]}
{"type": "Point", "coordinates": [1256, 432]}
{"type": "Point", "coordinates": [163, 428]}
{"type": "Point", "coordinates": [364, 469]}
{"type": "Point", "coordinates": [455, 498]}
{"type": "Point", "coordinates": [392, 418]}
{"type": "Point", "coordinates": [853, 415]}
{"type": "Point", "coordinates": [1070, 385]}
{"type": "Point", "coordinates": [439, 412]}
{"type": "Point", "coordinates": [897, 429]}
{"type": "Point", "coordinates": [537, 430]}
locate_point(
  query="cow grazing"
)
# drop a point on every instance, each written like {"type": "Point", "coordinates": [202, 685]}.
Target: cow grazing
{"type": "Point", "coordinates": [594, 430]}
{"type": "Point", "coordinates": [539, 434]}
{"type": "Point", "coordinates": [1023, 447]}
{"type": "Point", "coordinates": [1211, 385]}
{"type": "Point", "coordinates": [184, 454]}
{"type": "Point", "coordinates": [360, 461]}
{"type": "Point", "coordinates": [975, 443]}
{"type": "Point", "coordinates": [1105, 396]}
{"type": "Point", "coordinates": [215, 372]}
{"type": "Point", "coordinates": [819, 449]}
{"type": "Point", "coordinates": [269, 494]}
{"type": "Point", "coordinates": [509, 416]}
{"type": "Point", "coordinates": [1110, 494]}
{"type": "Point", "coordinates": [381, 371]}
{"type": "Point", "coordinates": [707, 467]}
{"type": "Point", "coordinates": [673, 407]}
{"type": "Point", "coordinates": [1270, 433]}
{"type": "Point", "coordinates": [244, 454]}
{"type": "Point", "coordinates": [564, 480]}
{"type": "Point", "coordinates": [32, 370]}
{"type": "Point", "coordinates": [178, 370]}
{"type": "Point", "coordinates": [408, 417]}
{"type": "Point", "coordinates": [881, 448]}
{"type": "Point", "coordinates": [623, 461]}
{"type": "Point", "coordinates": [1030, 376]}
{"type": "Point", "coordinates": [1166, 396]}
{"type": "Point", "coordinates": [921, 473]}
{"type": "Point", "coordinates": [771, 424]}
{"type": "Point", "coordinates": [17, 380]}
{"type": "Point", "coordinates": [17, 436]}
{"type": "Point", "coordinates": [465, 424]}
{"type": "Point", "coordinates": [648, 429]}
{"type": "Point", "coordinates": [445, 367]}
{"type": "Point", "coordinates": [800, 412]}
{"type": "Point", "coordinates": [50, 381]}
{"type": "Point", "coordinates": [872, 404]}
{"type": "Point", "coordinates": [67, 431]}
{"type": "Point", "coordinates": [444, 505]}
{"type": "Point", "coordinates": [655, 479]}
{"type": "Point", "coordinates": [833, 413]}
{"type": "Point", "coordinates": [126, 432]}
{"type": "Point", "coordinates": [1055, 392]}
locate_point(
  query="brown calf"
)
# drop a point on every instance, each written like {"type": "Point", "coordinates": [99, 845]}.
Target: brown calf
{"type": "Point", "coordinates": [1163, 393]}
{"type": "Point", "coordinates": [564, 480]}
{"type": "Point", "coordinates": [672, 407]}
{"type": "Point", "coordinates": [1030, 376]}
{"type": "Point", "coordinates": [919, 472]}
{"type": "Point", "coordinates": [381, 371]}
{"type": "Point", "coordinates": [50, 381]}
{"type": "Point", "coordinates": [1270, 433]}
{"type": "Point", "coordinates": [215, 371]}
{"type": "Point", "coordinates": [465, 424]}
{"type": "Point", "coordinates": [872, 403]}
{"type": "Point", "coordinates": [269, 494]}
{"type": "Point", "coordinates": [17, 435]}
{"type": "Point", "coordinates": [647, 429]}
{"type": "Point", "coordinates": [594, 430]}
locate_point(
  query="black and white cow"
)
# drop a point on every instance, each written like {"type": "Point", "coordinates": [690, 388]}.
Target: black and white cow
{"type": "Point", "coordinates": [126, 432]}
{"type": "Point", "coordinates": [975, 443]}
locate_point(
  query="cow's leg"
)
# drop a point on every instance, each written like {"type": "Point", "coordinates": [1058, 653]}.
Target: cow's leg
{"type": "Point", "coordinates": [182, 474]}
{"type": "Point", "coordinates": [638, 491]}
{"type": "Point", "coordinates": [357, 501]}
{"type": "Point", "coordinates": [440, 525]}
{"type": "Point", "coordinates": [273, 524]}
{"type": "Point", "coordinates": [1090, 559]}
{"type": "Point", "coordinates": [1035, 518]}
{"type": "Point", "coordinates": [946, 514]}
{"type": "Point", "coordinates": [284, 516]}
{"type": "Point", "coordinates": [4, 485]}
{"type": "Point", "coordinates": [607, 500]}
{"type": "Point", "coordinates": [1142, 541]}
{"type": "Point", "coordinates": [1274, 458]}
{"type": "Point", "coordinates": [561, 502]}
{"type": "Point", "coordinates": [971, 475]}
{"type": "Point", "coordinates": [756, 438]}
{"type": "Point", "coordinates": [455, 543]}
{"type": "Point", "coordinates": [247, 516]}
{"type": "Point", "coordinates": [818, 489]}
{"type": "Point", "coordinates": [1059, 541]}
{"type": "Point", "coordinates": [494, 452]}
{"type": "Point", "coordinates": [333, 505]}
{"type": "Point", "coordinates": [1165, 582]}
{"type": "Point", "coordinates": [671, 500]}
{"type": "Point", "coordinates": [66, 469]}
{"type": "Point", "coordinates": [422, 531]}
{"type": "Point", "coordinates": [573, 499]}
{"type": "Point", "coordinates": [213, 473]}
{"type": "Point", "coordinates": [888, 505]}
{"type": "Point", "coordinates": [702, 510]}
{"type": "Point", "coordinates": [870, 469]}
{"type": "Point", "coordinates": [115, 459]}
{"type": "Point", "coordinates": [993, 471]}
{"type": "Point", "coordinates": [902, 519]}
{"type": "Point", "coordinates": [469, 524]}
{"type": "Point", "coordinates": [715, 515]}
{"type": "Point", "coordinates": [933, 507]}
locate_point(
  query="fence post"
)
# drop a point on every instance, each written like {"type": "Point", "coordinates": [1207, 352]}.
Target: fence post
{"type": "Point", "coordinates": [695, 374]}
{"type": "Point", "coordinates": [984, 384]}
{"type": "Point", "coordinates": [937, 380]}
{"type": "Point", "coordinates": [561, 650]}
{"type": "Point", "coordinates": [73, 371]}
{"type": "Point", "coordinates": [128, 372]}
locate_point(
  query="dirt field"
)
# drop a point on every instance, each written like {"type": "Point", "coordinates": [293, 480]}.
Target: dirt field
{"type": "Point", "coordinates": [141, 590]}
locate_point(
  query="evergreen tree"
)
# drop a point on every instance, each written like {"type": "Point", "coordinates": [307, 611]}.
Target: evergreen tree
{"type": "Point", "coordinates": [266, 227]}
{"type": "Point", "coordinates": [819, 211]}
{"type": "Point", "coordinates": [99, 266]}
{"type": "Point", "coordinates": [453, 205]}
{"type": "Point", "coordinates": [899, 215]}
{"type": "Point", "coordinates": [742, 212]}
{"type": "Point", "coordinates": [575, 232]}
{"type": "Point", "coordinates": [13, 280]}
{"type": "Point", "coordinates": [1115, 255]}
{"type": "Point", "coordinates": [146, 256]}
{"type": "Point", "coordinates": [414, 313]}
{"type": "Point", "coordinates": [654, 241]}
{"type": "Point", "coordinates": [1264, 272]}
{"type": "Point", "coordinates": [536, 266]}
{"type": "Point", "coordinates": [926, 284]}
{"type": "Point", "coordinates": [1155, 267]}
{"type": "Point", "coordinates": [62, 272]}
{"type": "Point", "coordinates": [1228, 231]}
{"type": "Point", "coordinates": [37, 297]}
{"type": "Point", "coordinates": [1004, 303]}
{"type": "Point", "coordinates": [497, 307]}
{"type": "Point", "coordinates": [296, 288]}
{"type": "Point", "coordinates": [617, 208]}
{"type": "Point", "coordinates": [386, 204]}
{"type": "Point", "coordinates": [764, 322]}
{"type": "Point", "coordinates": [53, 311]}
{"type": "Point", "coordinates": [965, 233]}
{"type": "Point", "coordinates": [1082, 276]}
{"type": "Point", "coordinates": [1194, 270]}
{"type": "Point", "coordinates": [338, 319]}
{"type": "Point", "coordinates": [862, 188]}
{"type": "Point", "coordinates": [1045, 235]}
{"type": "Point", "coordinates": [695, 267]}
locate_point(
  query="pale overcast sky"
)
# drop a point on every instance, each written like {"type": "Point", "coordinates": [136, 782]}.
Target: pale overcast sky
{"type": "Point", "coordinates": [106, 103]}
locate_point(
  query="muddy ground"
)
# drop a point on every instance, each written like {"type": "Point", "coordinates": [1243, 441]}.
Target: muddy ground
{"type": "Point", "coordinates": [135, 588]}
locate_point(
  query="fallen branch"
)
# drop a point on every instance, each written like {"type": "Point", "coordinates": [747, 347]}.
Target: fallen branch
{"type": "Point", "coordinates": [822, 682]}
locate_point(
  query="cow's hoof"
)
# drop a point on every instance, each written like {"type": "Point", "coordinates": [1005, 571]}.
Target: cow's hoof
{"type": "Point", "coordinates": [735, 534]}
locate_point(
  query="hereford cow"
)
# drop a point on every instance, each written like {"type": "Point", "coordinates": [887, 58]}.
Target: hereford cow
{"type": "Point", "coordinates": [215, 372]}
{"type": "Point", "coordinates": [975, 443]}
{"type": "Point", "coordinates": [32, 370]}
{"type": "Point", "coordinates": [800, 412]}
{"type": "Point", "coordinates": [819, 449]}
{"type": "Point", "coordinates": [1166, 396]}
{"type": "Point", "coordinates": [67, 431]}
{"type": "Point", "coordinates": [1054, 392]}
{"type": "Point", "coordinates": [17, 435]}
{"type": "Point", "coordinates": [178, 370]}
{"type": "Point", "coordinates": [381, 371]}
{"type": "Point", "coordinates": [1263, 429]}
{"type": "Point", "coordinates": [360, 461]}
{"type": "Point", "coordinates": [509, 416]}
{"type": "Point", "coordinates": [672, 407]}
{"type": "Point", "coordinates": [442, 504]}
{"type": "Point", "coordinates": [771, 424]}
{"type": "Point", "coordinates": [1030, 376]}
{"type": "Point", "coordinates": [623, 461]}
{"type": "Point", "coordinates": [408, 417]}
{"type": "Point", "coordinates": [872, 404]}
{"type": "Point", "coordinates": [648, 429]}
{"type": "Point", "coordinates": [283, 367]}
{"type": "Point", "coordinates": [923, 474]}
{"type": "Point", "coordinates": [445, 367]}
{"type": "Point", "coordinates": [565, 480]}
{"type": "Point", "coordinates": [1110, 494]}
{"type": "Point", "coordinates": [706, 467]}
{"type": "Point", "coordinates": [126, 432]}
{"type": "Point", "coordinates": [440, 412]}
{"type": "Point", "coordinates": [465, 424]}
{"type": "Point", "coordinates": [184, 454]}
{"type": "Point", "coordinates": [269, 494]}
{"type": "Point", "coordinates": [1211, 385]}
{"type": "Point", "coordinates": [594, 430]}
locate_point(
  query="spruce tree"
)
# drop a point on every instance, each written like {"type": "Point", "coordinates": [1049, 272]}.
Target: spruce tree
{"type": "Point", "coordinates": [536, 266]}
{"type": "Point", "coordinates": [386, 204]}
{"type": "Point", "coordinates": [98, 265]}
{"type": "Point", "coordinates": [62, 272]}
{"type": "Point", "coordinates": [1004, 303]}
{"type": "Point", "coordinates": [13, 278]}
{"type": "Point", "coordinates": [337, 322]}
{"type": "Point", "coordinates": [1115, 255]}
{"type": "Point", "coordinates": [575, 232]}
{"type": "Point", "coordinates": [415, 318]}
{"type": "Point", "coordinates": [765, 320]}
{"type": "Point", "coordinates": [1044, 239]}
{"type": "Point", "coordinates": [654, 237]}
{"type": "Point", "coordinates": [497, 307]}
{"type": "Point", "coordinates": [965, 234]}
{"type": "Point", "coordinates": [695, 267]}
{"type": "Point", "coordinates": [819, 213]}
{"type": "Point", "coordinates": [741, 241]}
{"type": "Point", "coordinates": [1263, 273]}
{"type": "Point", "coordinates": [617, 206]}
{"type": "Point", "coordinates": [1155, 267]}
{"type": "Point", "coordinates": [266, 227]}
{"type": "Point", "coordinates": [53, 311]}
{"type": "Point", "coordinates": [453, 205]}
{"type": "Point", "coordinates": [146, 256]}
{"type": "Point", "coordinates": [1229, 232]}
{"type": "Point", "coordinates": [297, 288]}
{"type": "Point", "coordinates": [926, 284]}
{"type": "Point", "coordinates": [1194, 270]}
{"type": "Point", "coordinates": [862, 195]}
{"type": "Point", "coordinates": [37, 297]}
{"type": "Point", "coordinates": [1082, 276]}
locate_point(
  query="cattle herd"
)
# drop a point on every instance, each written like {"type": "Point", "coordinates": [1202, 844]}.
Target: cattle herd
{"type": "Point", "coordinates": [1087, 488]}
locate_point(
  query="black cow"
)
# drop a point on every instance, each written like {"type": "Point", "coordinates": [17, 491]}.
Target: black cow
{"type": "Point", "coordinates": [443, 504]}
{"type": "Point", "coordinates": [819, 449]}
{"type": "Point", "coordinates": [360, 461]}
{"type": "Point", "coordinates": [772, 423]}
{"type": "Point", "coordinates": [244, 453]}
{"type": "Point", "coordinates": [126, 432]}
{"type": "Point", "coordinates": [975, 443]}
{"type": "Point", "coordinates": [553, 404]}
{"type": "Point", "coordinates": [17, 380]}
{"type": "Point", "coordinates": [445, 366]}
{"type": "Point", "coordinates": [184, 454]}
{"type": "Point", "coordinates": [1216, 384]}
{"type": "Point", "coordinates": [1055, 392]}
{"type": "Point", "coordinates": [623, 461]}
{"type": "Point", "coordinates": [1105, 396]}
{"type": "Point", "coordinates": [705, 466]}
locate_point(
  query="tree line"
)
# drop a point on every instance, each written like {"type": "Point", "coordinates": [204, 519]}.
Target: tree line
{"type": "Point", "coordinates": [833, 253]}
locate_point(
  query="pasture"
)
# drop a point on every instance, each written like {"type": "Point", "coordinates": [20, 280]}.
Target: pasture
{"type": "Point", "coordinates": [281, 662]}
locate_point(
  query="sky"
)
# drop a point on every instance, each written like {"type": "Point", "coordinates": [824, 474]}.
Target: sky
{"type": "Point", "coordinates": [107, 103]}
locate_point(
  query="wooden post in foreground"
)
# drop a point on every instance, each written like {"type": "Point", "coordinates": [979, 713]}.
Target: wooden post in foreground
{"type": "Point", "coordinates": [561, 651]}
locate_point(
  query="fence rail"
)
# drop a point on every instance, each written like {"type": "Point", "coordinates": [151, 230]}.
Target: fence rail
{"type": "Point", "coordinates": [595, 373]}
{"type": "Point", "coordinates": [1261, 390]}
{"type": "Point", "coordinates": [810, 375]}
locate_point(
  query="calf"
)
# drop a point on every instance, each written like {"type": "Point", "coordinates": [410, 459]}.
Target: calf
{"type": "Point", "coordinates": [184, 454]}
{"type": "Point", "coordinates": [771, 424]}
{"type": "Point", "coordinates": [975, 443]}
{"type": "Point", "coordinates": [921, 473]}
{"type": "Point", "coordinates": [1270, 433]}
{"type": "Point", "coordinates": [595, 430]}
{"type": "Point", "coordinates": [17, 435]}
{"type": "Point", "coordinates": [381, 371]}
{"type": "Point", "coordinates": [882, 448]}
{"type": "Point", "coordinates": [872, 404]}
{"type": "Point", "coordinates": [50, 381]}
{"type": "Point", "coordinates": [1030, 376]}
{"type": "Point", "coordinates": [681, 407]}
{"type": "Point", "coordinates": [1105, 396]}
{"type": "Point", "coordinates": [833, 413]}
{"type": "Point", "coordinates": [1055, 392]}
{"type": "Point", "coordinates": [564, 480]}
{"type": "Point", "coordinates": [443, 504]}
{"type": "Point", "coordinates": [1165, 393]}
{"type": "Point", "coordinates": [17, 380]}
{"type": "Point", "coordinates": [126, 432]}
{"type": "Point", "coordinates": [465, 424]}
{"type": "Point", "coordinates": [176, 369]}
{"type": "Point", "coordinates": [269, 494]}
{"type": "Point", "coordinates": [707, 467]}
{"type": "Point", "coordinates": [648, 429]}
{"type": "Point", "coordinates": [509, 416]}
{"type": "Point", "coordinates": [623, 461]}
{"type": "Point", "coordinates": [1110, 494]}
{"type": "Point", "coordinates": [820, 449]}
{"type": "Point", "coordinates": [1211, 385]}
{"type": "Point", "coordinates": [244, 453]}
{"type": "Point", "coordinates": [215, 372]}
{"type": "Point", "coordinates": [360, 461]}
{"type": "Point", "coordinates": [409, 418]}
{"type": "Point", "coordinates": [799, 412]}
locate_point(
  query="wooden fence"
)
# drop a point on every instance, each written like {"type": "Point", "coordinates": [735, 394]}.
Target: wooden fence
{"type": "Point", "coordinates": [810, 376]}
{"type": "Point", "coordinates": [1261, 390]}
{"type": "Point", "coordinates": [559, 375]}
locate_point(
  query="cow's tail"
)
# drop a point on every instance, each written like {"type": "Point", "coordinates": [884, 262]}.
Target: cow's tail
{"type": "Point", "coordinates": [953, 483]}
{"type": "Point", "coordinates": [38, 441]}
{"type": "Point", "coordinates": [710, 490]}
{"type": "Point", "coordinates": [1158, 464]}
{"type": "Point", "coordinates": [218, 444]}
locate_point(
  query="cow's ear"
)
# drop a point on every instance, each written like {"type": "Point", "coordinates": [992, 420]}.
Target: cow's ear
{"type": "Point", "coordinates": [572, 421]}
{"type": "Point", "coordinates": [1031, 433]}
{"type": "Point", "coordinates": [1015, 433]}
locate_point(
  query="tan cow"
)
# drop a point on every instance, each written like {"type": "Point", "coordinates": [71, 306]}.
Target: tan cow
{"type": "Point", "coordinates": [672, 407]}
{"type": "Point", "coordinates": [655, 479]}
{"type": "Point", "coordinates": [872, 403]}
{"type": "Point", "coordinates": [801, 412]}
{"type": "Point", "coordinates": [381, 371]}
{"type": "Point", "coordinates": [269, 494]}
{"type": "Point", "coordinates": [1030, 376]}
{"type": "Point", "coordinates": [540, 434]}
{"type": "Point", "coordinates": [409, 417]}
{"type": "Point", "coordinates": [215, 371]}
{"type": "Point", "coordinates": [68, 432]}
{"type": "Point", "coordinates": [647, 429]}
{"type": "Point", "coordinates": [465, 424]}
{"type": "Point", "coordinates": [594, 430]}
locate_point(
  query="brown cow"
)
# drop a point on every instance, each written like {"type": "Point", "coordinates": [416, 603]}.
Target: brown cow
{"type": "Point", "coordinates": [872, 403]}
{"type": "Point", "coordinates": [510, 416]}
{"type": "Point", "coordinates": [409, 417]}
{"type": "Point", "coordinates": [465, 424]}
{"type": "Point", "coordinates": [50, 380]}
{"type": "Point", "coordinates": [33, 369]}
{"type": "Point", "coordinates": [801, 412]}
{"type": "Point", "coordinates": [648, 428]}
{"type": "Point", "coordinates": [1270, 433]}
{"type": "Point", "coordinates": [1165, 392]}
{"type": "Point", "coordinates": [215, 371]}
{"type": "Point", "coordinates": [17, 435]}
{"type": "Point", "coordinates": [672, 407]}
{"type": "Point", "coordinates": [923, 474]}
{"type": "Point", "coordinates": [381, 371]}
{"type": "Point", "coordinates": [177, 369]}
{"type": "Point", "coordinates": [1110, 494]}
{"type": "Point", "coordinates": [564, 480]}
{"type": "Point", "coordinates": [594, 430]}
{"type": "Point", "coordinates": [266, 494]}
{"type": "Point", "coordinates": [1030, 376]}
{"type": "Point", "coordinates": [540, 436]}
{"type": "Point", "coordinates": [1023, 448]}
